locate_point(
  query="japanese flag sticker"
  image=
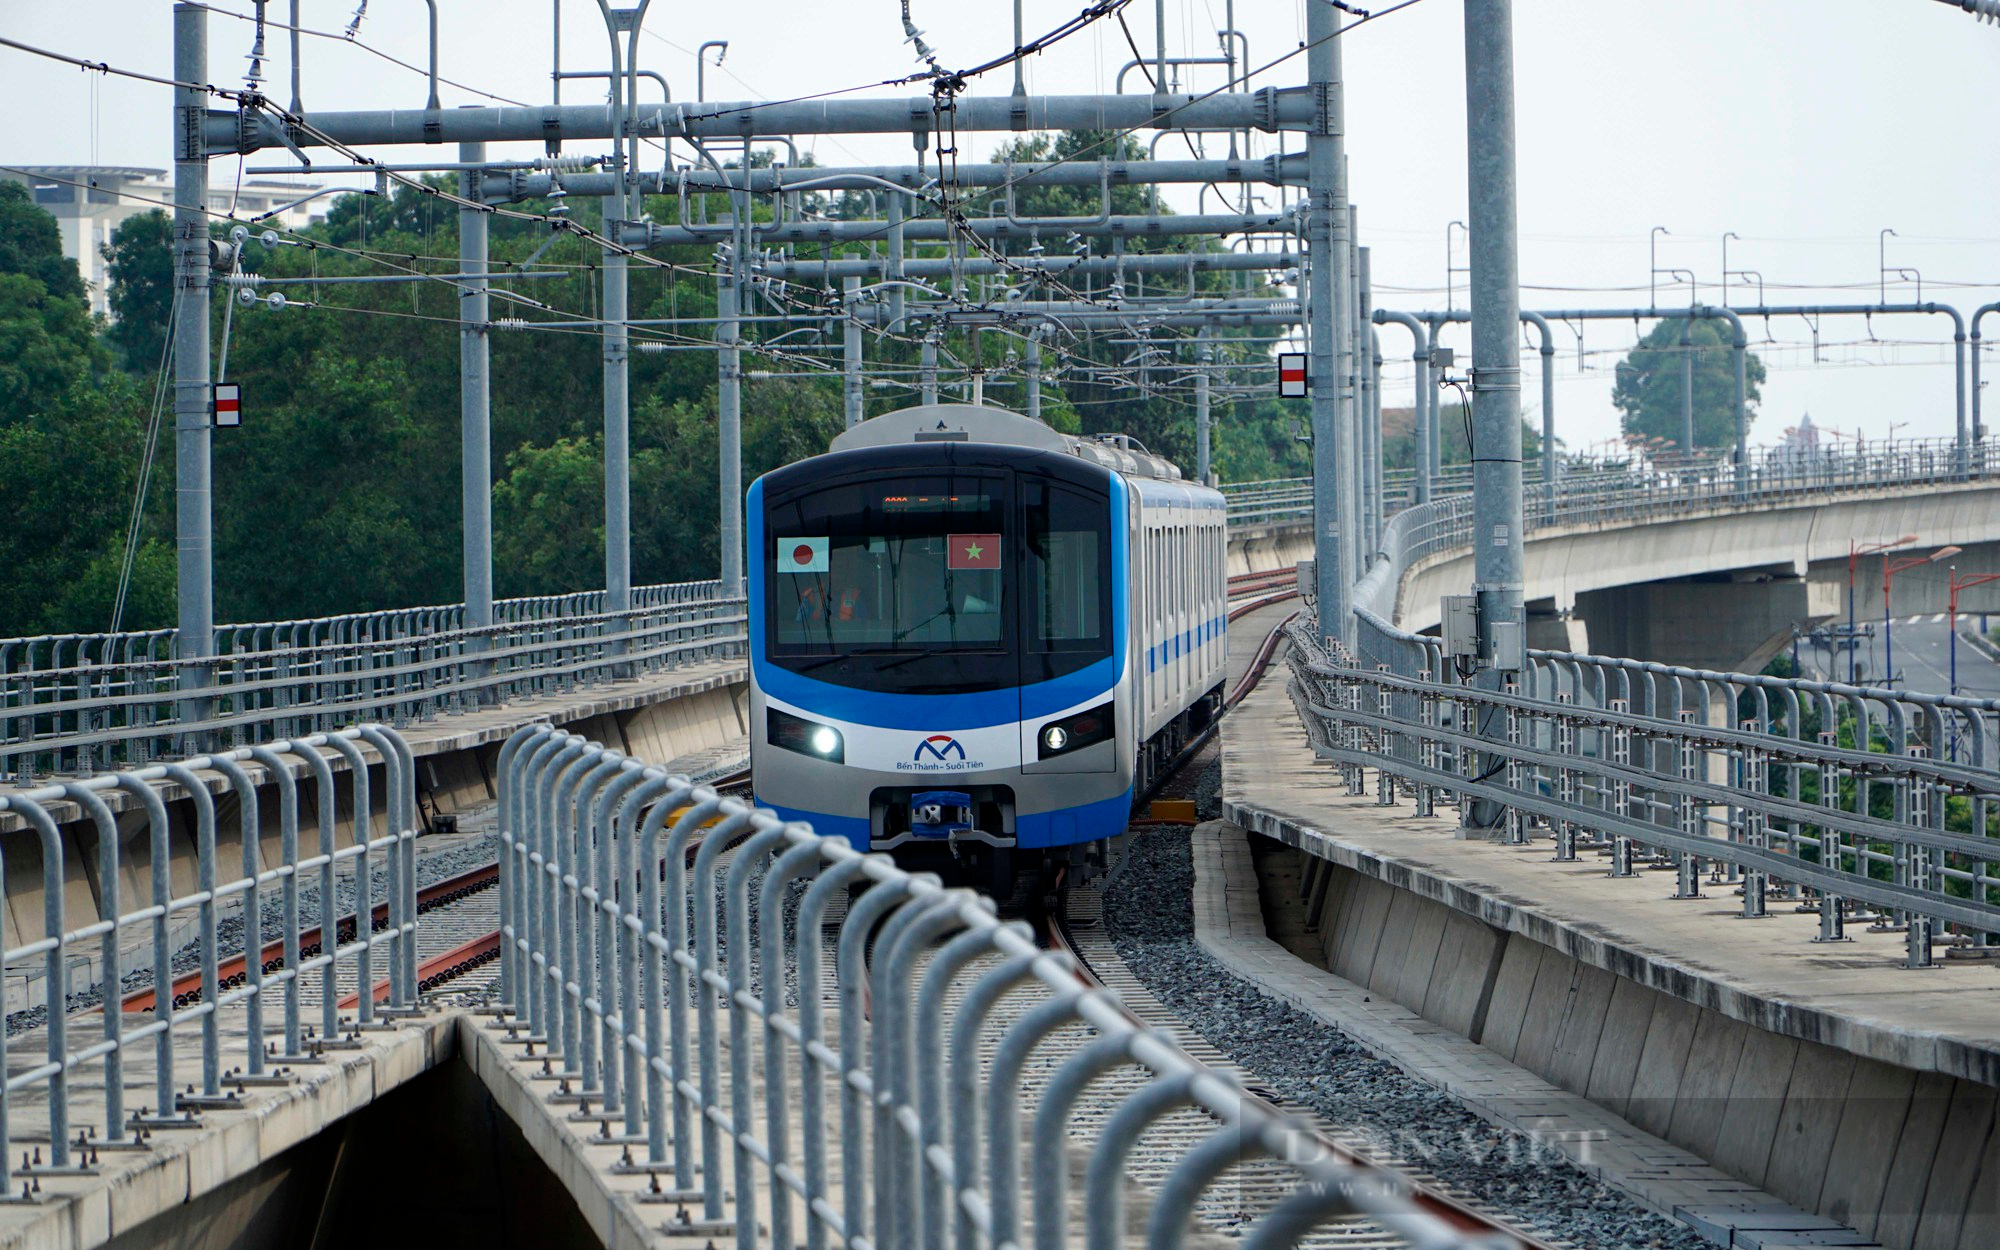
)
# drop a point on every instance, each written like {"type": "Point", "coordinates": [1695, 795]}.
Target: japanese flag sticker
{"type": "Point", "coordinates": [802, 555]}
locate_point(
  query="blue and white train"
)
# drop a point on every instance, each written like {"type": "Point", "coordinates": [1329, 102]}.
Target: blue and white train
{"type": "Point", "coordinates": [971, 633]}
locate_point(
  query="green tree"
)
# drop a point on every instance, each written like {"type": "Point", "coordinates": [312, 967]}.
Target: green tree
{"type": "Point", "coordinates": [140, 269]}
{"type": "Point", "coordinates": [31, 245]}
{"type": "Point", "coordinates": [47, 347]}
{"type": "Point", "coordinates": [1649, 388]}
{"type": "Point", "coordinates": [67, 474]}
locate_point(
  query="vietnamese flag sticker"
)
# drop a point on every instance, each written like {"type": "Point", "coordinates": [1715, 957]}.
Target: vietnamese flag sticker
{"type": "Point", "coordinates": [802, 555]}
{"type": "Point", "coordinates": [972, 551]}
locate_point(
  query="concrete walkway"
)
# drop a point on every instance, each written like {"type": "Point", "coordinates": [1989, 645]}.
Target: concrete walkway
{"type": "Point", "coordinates": [1767, 973]}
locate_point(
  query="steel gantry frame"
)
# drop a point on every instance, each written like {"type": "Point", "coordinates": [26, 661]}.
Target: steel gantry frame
{"type": "Point", "coordinates": [743, 264]}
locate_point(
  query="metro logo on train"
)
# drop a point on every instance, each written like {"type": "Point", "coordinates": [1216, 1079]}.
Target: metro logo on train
{"type": "Point", "coordinates": [939, 747]}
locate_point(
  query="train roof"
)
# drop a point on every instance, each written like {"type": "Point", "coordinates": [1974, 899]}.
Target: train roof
{"type": "Point", "coordinates": [978, 423]}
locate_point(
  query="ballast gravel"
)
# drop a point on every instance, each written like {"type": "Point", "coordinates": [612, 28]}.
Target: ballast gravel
{"type": "Point", "coordinates": [434, 864]}
{"type": "Point", "coordinates": [1149, 916]}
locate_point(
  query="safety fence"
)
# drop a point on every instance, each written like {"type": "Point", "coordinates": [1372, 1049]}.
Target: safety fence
{"type": "Point", "coordinates": [653, 992]}
{"type": "Point", "coordinates": [1587, 490]}
{"type": "Point", "coordinates": [171, 959]}
{"type": "Point", "coordinates": [78, 703]}
{"type": "Point", "coordinates": [1868, 805]}
{"type": "Point", "coordinates": [1627, 496]}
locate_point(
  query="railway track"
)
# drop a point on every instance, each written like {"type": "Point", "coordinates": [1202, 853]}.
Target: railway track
{"type": "Point", "coordinates": [1258, 1185]}
{"type": "Point", "coordinates": [1077, 929]}
{"type": "Point", "coordinates": [462, 949]}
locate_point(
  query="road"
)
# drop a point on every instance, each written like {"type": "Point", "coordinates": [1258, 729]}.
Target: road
{"type": "Point", "coordinates": [1923, 657]}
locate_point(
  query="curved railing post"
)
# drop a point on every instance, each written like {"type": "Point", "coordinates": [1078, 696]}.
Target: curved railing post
{"type": "Point", "coordinates": [364, 881]}
{"type": "Point", "coordinates": [399, 778]}
{"type": "Point", "coordinates": [288, 854]}
{"type": "Point", "coordinates": [211, 987]}
{"type": "Point", "coordinates": [589, 891]}
{"type": "Point", "coordinates": [507, 788]}
{"type": "Point", "coordinates": [112, 978]}
{"type": "Point", "coordinates": [160, 858]}
{"type": "Point", "coordinates": [250, 829]}
{"type": "Point", "coordinates": [615, 888]}
{"type": "Point", "coordinates": [54, 974]}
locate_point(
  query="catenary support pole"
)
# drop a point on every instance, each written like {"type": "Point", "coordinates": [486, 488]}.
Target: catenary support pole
{"type": "Point", "coordinates": [897, 213]}
{"type": "Point", "coordinates": [1496, 313]}
{"type": "Point", "coordinates": [1204, 354]}
{"type": "Point", "coordinates": [729, 415]}
{"type": "Point", "coordinates": [1978, 423]}
{"type": "Point", "coordinates": [851, 351]}
{"type": "Point", "coordinates": [1375, 487]}
{"type": "Point", "coordinates": [192, 276]}
{"type": "Point", "coordinates": [1687, 388]}
{"type": "Point", "coordinates": [1364, 342]}
{"type": "Point", "coordinates": [928, 369]}
{"type": "Point", "coordinates": [1347, 427]}
{"type": "Point", "coordinates": [1420, 355]}
{"type": "Point", "coordinates": [1965, 438]}
{"type": "Point", "coordinates": [1035, 372]}
{"type": "Point", "coordinates": [1326, 230]}
{"type": "Point", "coordinates": [617, 377]}
{"type": "Point", "coordinates": [1551, 463]}
{"type": "Point", "coordinates": [475, 407]}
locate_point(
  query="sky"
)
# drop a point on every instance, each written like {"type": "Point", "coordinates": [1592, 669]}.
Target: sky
{"type": "Point", "coordinates": [1805, 127]}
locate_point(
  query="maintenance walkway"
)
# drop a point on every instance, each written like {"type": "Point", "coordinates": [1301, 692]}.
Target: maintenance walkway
{"type": "Point", "coordinates": [1827, 1074]}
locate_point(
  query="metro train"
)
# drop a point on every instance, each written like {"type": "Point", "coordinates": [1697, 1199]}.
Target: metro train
{"type": "Point", "coordinates": [973, 637]}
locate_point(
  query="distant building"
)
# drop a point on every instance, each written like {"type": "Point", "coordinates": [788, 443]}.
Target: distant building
{"type": "Point", "coordinates": [89, 202]}
{"type": "Point", "coordinates": [1802, 444]}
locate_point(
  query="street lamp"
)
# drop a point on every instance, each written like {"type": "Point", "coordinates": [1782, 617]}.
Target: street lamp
{"type": "Point", "coordinates": [1854, 554]}
{"type": "Point", "coordinates": [1890, 568]}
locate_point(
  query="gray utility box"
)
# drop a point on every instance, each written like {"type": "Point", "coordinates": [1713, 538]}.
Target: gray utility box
{"type": "Point", "coordinates": [1459, 619]}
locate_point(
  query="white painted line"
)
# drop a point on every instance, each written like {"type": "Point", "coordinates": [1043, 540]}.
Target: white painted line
{"type": "Point", "coordinates": [1938, 619]}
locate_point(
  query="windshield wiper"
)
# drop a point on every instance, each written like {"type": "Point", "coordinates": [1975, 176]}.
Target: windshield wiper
{"type": "Point", "coordinates": [946, 610]}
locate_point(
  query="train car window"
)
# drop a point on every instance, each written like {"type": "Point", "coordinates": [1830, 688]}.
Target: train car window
{"type": "Point", "coordinates": [893, 583]}
{"type": "Point", "coordinates": [1066, 578]}
{"type": "Point", "coordinates": [919, 566]}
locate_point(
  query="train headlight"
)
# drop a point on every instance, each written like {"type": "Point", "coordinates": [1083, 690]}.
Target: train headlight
{"type": "Point", "coordinates": [795, 733]}
{"type": "Point", "coordinates": [1077, 731]}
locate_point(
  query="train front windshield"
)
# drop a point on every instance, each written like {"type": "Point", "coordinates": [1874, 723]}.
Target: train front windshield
{"type": "Point", "coordinates": [941, 584]}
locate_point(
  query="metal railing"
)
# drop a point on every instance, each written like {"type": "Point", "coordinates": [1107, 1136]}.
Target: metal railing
{"type": "Point", "coordinates": [640, 985]}
{"type": "Point", "coordinates": [143, 957]}
{"type": "Point", "coordinates": [1871, 806]}
{"type": "Point", "coordinates": [77, 703]}
{"type": "Point", "coordinates": [1866, 804]}
{"type": "Point", "coordinates": [1625, 495]}
{"type": "Point", "coordinates": [1587, 487]}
